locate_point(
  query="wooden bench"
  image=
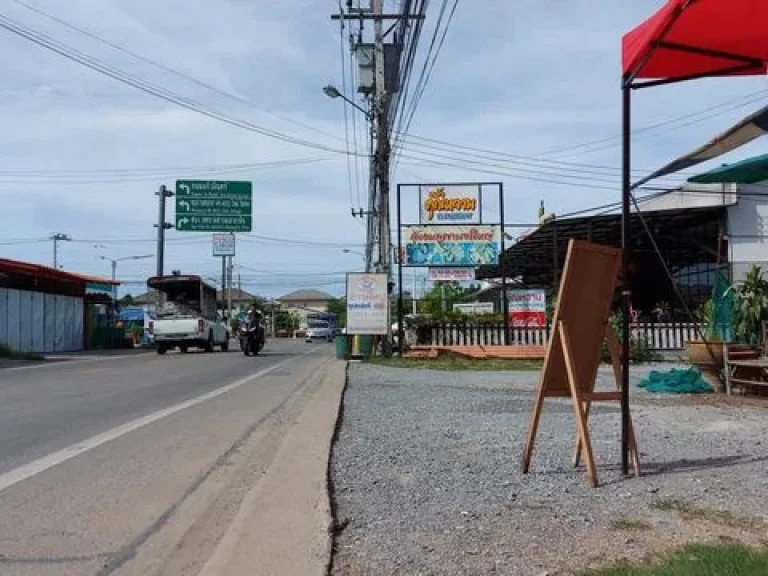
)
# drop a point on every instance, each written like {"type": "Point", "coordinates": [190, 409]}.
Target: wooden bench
{"type": "Point", "coordinates": [744, 367]}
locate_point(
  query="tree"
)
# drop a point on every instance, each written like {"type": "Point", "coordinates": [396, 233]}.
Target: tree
{"type": "Point", "coordinates": [127, 299]}
{"type": "Point", "coordinates": [338, 306]}
{"type": "Point", "coordinates": [443, 295]}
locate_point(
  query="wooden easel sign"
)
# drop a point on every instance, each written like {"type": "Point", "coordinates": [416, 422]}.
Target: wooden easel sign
{"type": "Point", "coordinates": [579, 328]}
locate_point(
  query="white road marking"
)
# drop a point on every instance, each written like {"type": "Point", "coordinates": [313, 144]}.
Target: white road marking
{"type": "Point", "coordinates": [62, 361]}
{"type": "Point", "coordinates": [35, 467]}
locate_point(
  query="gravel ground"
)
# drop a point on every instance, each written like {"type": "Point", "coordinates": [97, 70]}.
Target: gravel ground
{"type": "Point", "coordinates": [426, 476]}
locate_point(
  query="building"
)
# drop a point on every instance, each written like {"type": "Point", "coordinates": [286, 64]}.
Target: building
{"type": "Point", "coordinates": [305, 302]}
{"type": "Point", "coordinates": [44, 310]}
{"type": "Point", "coordinates": [700, 228]}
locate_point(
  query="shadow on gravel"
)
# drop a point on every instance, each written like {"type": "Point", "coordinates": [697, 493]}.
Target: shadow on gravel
{"type": "Point", "coordinates": [685, 465]}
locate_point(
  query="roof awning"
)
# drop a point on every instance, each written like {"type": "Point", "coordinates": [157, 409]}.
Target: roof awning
{"type": "Point", "coordinates": [748, 171]}
{"type": "Point", "coordinates": [693, 38]}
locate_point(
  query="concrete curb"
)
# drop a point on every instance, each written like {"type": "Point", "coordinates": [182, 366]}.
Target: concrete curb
{"type": "Point", "coordinates": [284, 526]}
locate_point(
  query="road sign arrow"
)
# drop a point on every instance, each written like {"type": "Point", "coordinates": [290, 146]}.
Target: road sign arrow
{"type": "Point", "coordinates": [182, 222]}
{"type": "Point", "coordinates": [184, 188]}
{"type": "Point", "coordinates": [184, 204]}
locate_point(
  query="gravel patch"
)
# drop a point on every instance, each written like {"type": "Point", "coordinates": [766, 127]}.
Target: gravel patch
{"type": "Point", "coordinates": [427, 480]}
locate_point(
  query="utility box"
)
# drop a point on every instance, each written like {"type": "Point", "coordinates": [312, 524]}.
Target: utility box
{"type": "Point", "coordinates": [365, 55]}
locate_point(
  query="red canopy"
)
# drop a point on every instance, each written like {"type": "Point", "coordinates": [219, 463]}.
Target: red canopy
{"type": "Point", "coordinates": [690, 38]}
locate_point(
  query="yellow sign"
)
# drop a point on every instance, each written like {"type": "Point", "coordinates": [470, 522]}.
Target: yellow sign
{"type": "Point", "coordinates": [451, 205]}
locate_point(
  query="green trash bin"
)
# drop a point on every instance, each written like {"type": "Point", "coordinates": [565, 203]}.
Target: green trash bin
{"type": "Point", "coordinates": [341, 346]}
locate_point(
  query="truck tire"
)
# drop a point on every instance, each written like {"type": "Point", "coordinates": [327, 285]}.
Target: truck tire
{"type": "Point", "coordinates": [183, 349]}
{"type": "Point", "coordinates": [209, 345]}
{"type": "Point", "coordinates": [161, 349]}
{"type": "Point", "coordinates": [225, 344]}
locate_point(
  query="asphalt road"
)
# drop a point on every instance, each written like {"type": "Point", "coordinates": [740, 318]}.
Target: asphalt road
{"type": "Point", "coordinates": [136, 465]}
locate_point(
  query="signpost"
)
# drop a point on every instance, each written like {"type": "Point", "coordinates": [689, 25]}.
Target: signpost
{"type": "Point", "coordinates": [223, 245]}
{"type": "Point", "coordinates": [214, 206]}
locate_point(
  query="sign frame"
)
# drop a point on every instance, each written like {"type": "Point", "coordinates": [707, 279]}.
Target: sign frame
{"type": "Point", "coordinates": [482, 186]}
{"type": "Point", "coordinates": [214, 206]}
{"type": "Point", "coordinates": [368, 327]}
{"type": "Point", "coordinates": [228, 248]}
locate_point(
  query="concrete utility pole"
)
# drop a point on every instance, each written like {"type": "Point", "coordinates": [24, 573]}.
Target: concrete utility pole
{"type": "Point", "coordinates": [161, 226]}
{"type": "Point", "coordinates": [382, 158]}
{"type": "Point", "coordinates": [229, 288]}
{"type": "Point", "coordinates": [56, 238]}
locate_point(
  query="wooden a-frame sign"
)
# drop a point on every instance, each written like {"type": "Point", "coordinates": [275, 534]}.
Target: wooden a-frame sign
{"type": "Point", "coordinates": [579, 328]}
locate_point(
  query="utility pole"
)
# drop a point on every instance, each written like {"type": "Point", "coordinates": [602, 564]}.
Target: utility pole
{"type": "Point", "coordinates": [229, 287]}
{"type": "Point", "coordinates": [56, 238]}
{"type": "Point", "coordinates": [382, 159]}
{"type": "Point", "coordinates": [161, 226]}
{"type": "Point", "coordinates": [223, 284]}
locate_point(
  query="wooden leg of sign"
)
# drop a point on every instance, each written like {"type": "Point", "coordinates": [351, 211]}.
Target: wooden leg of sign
{"type": "Point", "coordinates": [533, 426]}
{"type": "Point", "coordinates": [577, 450]}
{"type": "Point", "coordinates": [613, 348]}
{"type": "Point", "coordinates": [581, 421]}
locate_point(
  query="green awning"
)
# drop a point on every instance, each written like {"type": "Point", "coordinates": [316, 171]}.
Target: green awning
{"type": "Point", "coordinates": [747, 171]}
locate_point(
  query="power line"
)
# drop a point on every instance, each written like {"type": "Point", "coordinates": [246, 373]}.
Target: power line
{"type": "Point", "coordinates": [346, 110]}
{"type": "Point", "coordinates": [173, 71]}
{"type": "Point", "coordinates": [571, 149]}
{"type": "Point", "coordinates": [89, 62]}
{"type": "Point", "coordinates": [148, 175]}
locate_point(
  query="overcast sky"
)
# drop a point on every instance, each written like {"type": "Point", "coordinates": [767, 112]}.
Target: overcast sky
{"type": "Point", "coordinates": [82, 154]}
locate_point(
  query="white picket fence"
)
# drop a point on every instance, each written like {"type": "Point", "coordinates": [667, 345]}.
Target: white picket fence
{"type": "Point", "coordinates": [668, 336]}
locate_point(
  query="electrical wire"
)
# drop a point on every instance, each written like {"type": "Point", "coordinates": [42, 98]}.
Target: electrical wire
{"type": "Point", "coordinates": [173, 71]}
{"type": "Point", "coordinates": [345, 107]}
{"type": "Point", "coordinates": [146, 87]}
{"type": "Point", "coordinates": [700, 116]}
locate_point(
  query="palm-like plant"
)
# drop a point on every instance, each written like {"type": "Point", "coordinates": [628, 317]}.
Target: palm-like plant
{"type": "Point", "coordinates": [751, 307]}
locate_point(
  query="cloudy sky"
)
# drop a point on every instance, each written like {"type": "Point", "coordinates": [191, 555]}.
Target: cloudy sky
{"type": "Point", "coordinates": [82, 154]}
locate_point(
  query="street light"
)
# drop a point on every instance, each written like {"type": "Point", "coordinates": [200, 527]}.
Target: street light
{"type": "Point", "coordinates": [114, 261]}
{"type": "Point", "coordinates": [348, 251]}
{"type": "Point", "coordinates": [333, 92]}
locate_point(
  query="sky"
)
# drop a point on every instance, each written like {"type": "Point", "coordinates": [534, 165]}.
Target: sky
{"type": "Point", "coordinates": [82, 153]}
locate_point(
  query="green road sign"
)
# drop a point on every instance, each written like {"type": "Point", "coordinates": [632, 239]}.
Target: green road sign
{"type": "Point", "coordinates": [213, 206]}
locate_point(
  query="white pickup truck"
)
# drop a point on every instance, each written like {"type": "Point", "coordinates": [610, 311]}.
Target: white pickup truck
{"type": "Point", "coordinates": [187, 317]}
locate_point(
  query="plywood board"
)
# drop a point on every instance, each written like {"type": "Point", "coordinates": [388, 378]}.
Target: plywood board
{"type": "Point", "coordinates": [584, 306]}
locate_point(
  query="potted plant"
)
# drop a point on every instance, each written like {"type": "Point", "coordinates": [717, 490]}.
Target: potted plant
{"type": "Point", "coordinates": [750, 307]}
{"type": "Point", "coordinates": [707, 352]}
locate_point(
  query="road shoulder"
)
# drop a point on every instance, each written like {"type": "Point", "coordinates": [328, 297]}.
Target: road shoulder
{"type": "Point", "coordinates": [283, 526]}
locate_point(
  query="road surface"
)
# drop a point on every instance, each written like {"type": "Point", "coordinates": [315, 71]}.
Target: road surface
{"type": "Point", "coordinates": [137, 465]}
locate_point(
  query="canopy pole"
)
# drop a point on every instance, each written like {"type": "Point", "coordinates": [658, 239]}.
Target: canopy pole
{"type": "Point", "coordinates": [626, 175]}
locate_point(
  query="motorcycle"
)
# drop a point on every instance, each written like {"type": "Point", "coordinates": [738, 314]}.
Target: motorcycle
{"type": "Point", "coordinates": [252, 338]}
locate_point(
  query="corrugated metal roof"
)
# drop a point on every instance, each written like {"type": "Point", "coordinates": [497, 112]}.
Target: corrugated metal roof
{"type": "Point", "coordinates": [8, 266]}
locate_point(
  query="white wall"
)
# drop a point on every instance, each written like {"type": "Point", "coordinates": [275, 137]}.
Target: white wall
{"type": "Point", "coordinates": [42, 323]}
{"type": "Point", "coordinates": [693, 196]}
{"type": "Point", "coordinates": [747, 224]}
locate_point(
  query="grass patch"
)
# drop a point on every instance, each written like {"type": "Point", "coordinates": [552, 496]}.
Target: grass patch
{"type": "Point", "coordinates": [688, 511]}
{"type": "Point", "coordinates": [6, 352]}
{"type": "Point", "coordinates": [629, 525]}
{"type": "Point", "coordinates": [458, 363]}
{"type": "Point", "coordinates": [700, 560]}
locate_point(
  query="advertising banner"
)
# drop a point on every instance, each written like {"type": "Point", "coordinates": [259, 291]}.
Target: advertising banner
{"type": "Point", "coordinates": [449, 204]}
{"type": "Point", "coordinates": [223, 244]}
{"type": "Point", "coordinates": [367, 306]}
{"type": "Point", "coordinates": [451, 246]}
{"type": "Point", "coordinates": [527, 308]}
{"type": "Point", "coordinates": [474, 308]}
{"type": "Point", "coordinates": [451, 274]}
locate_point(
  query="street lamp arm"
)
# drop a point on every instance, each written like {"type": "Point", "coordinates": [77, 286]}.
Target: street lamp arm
{"type": "Point", "coordinates": [333, 92]}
